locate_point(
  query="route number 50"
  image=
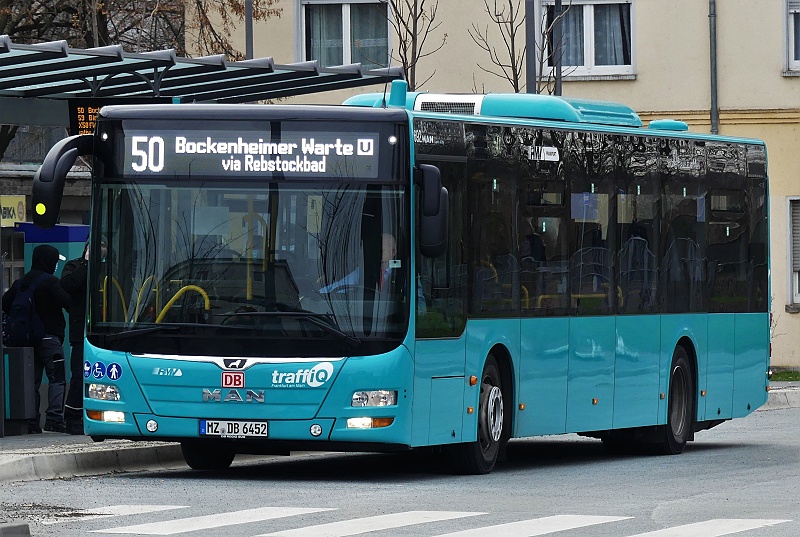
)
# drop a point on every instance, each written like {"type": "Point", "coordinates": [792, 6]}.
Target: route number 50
{"type": "Point", "coordinates": [149, 152]}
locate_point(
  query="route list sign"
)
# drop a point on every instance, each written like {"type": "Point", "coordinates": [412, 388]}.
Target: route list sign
{"type": "Point", "coordinates": [83, 110]}
{"type": "Point", "coordinates": [221, 153]}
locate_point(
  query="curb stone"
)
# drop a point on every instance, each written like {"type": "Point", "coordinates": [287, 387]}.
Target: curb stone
{"type": "Point", "coordinates": [782, 398]}
{"type": "Point", "coordinates": [92, 462]}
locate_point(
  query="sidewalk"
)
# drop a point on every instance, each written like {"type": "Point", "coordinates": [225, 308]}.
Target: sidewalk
{"type": "Point", "coordinates": [54, 455]}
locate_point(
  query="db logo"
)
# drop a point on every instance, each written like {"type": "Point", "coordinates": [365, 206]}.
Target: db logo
{"type": "Point", "coordinates": [233, 379]}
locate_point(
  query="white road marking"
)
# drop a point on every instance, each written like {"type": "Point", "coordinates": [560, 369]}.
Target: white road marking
{"type": "Point", "coordinates": [712, 528]}
{"type": "Point", "coordinates": [219, 520]}
{"type": "Point", "coordinates": [358, 526]}
{"type": "Point", "coordinates": [536, 526]}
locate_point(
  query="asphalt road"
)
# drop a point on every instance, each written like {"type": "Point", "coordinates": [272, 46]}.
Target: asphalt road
{"type": "Point", "coordinates": [742, 477]}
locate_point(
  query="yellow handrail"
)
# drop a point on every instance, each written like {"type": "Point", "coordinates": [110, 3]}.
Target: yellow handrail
{"type": "Point", "coordinates": [248, 218]}
{"type": "Point", "coordinates": [178, 295]}
{"type": "Point", "coordinates": [105, 297]}
{"type": "Point", "coordinates": [139, 296]}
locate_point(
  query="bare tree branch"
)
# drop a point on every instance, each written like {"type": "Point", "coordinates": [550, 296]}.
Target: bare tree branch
{"type": "Point", "coordinates": [545, 83]}
{"type": "Point", "coordinates": [509, 19]}
{"type": "Point", "coordinates": [413, 23]}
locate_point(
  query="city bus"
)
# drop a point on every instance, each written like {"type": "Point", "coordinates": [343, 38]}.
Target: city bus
{"type": "Point", "coordinates": [417, 271]}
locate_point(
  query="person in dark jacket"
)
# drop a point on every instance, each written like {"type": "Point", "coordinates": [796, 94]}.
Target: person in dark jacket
{"type": "Point", "coordinates": [73, 281]}
{"type": "Point", "coordinates": [48, 356]}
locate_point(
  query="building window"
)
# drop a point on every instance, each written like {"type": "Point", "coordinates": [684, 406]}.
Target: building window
{"type": "Point", "coordinates": [794, 242]}
{"type": "Point", "coordinates": [596, 37]}
{"type": "Point", "coordinates": [793, 24]}
{"type": "Point", "coordinates": [345, 33]}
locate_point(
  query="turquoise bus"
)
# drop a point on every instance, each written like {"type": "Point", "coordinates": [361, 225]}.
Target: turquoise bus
{"type": "Point", "coordinates": [414, 270]}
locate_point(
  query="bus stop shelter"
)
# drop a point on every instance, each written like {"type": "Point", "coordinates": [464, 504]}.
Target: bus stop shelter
{"type": "Point", "coordinates": [39, 82]}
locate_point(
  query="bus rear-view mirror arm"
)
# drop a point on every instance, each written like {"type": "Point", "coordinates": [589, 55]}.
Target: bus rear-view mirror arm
{"type": "Point", "coordinates": [433, 215]}
{"type": "Point", "coordinates": [48, 182]}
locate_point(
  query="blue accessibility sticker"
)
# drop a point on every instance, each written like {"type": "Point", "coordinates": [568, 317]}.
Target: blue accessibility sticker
{"type": "Point", "coordinates": [99, 370]}
{"type": "Point", "coordinates": [87, 369]}
{"type": "Point", "coordinates": [114, 371]}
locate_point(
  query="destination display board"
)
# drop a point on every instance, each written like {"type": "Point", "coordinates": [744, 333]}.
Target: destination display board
{"type": "Point", "coordinates": [251, 153]}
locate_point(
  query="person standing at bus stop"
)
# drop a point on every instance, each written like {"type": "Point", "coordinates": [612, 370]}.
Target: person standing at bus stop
{"type": "Point", "coordinates": [73, 281]}
{"type": "Point", "coordinates": [48, 355]}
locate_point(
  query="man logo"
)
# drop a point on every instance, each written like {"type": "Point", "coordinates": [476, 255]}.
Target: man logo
{"type": "Point", "coordinates": [235, 363]}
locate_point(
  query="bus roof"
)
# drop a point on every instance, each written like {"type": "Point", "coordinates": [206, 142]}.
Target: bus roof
{"type": "Point", "coordinates": [527, 106]}
{"type": "Point", "coordinates": [514, 105]}
{"type": "Point", "coordinates": [255, 112]}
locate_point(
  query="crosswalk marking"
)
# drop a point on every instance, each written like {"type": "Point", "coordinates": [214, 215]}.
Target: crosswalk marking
{"type": "Point", "coordinates": [358, 526]}
{"type": "Point", "coordinates": [536, 526]}
{"type": "Point", "coordinates": [111, 510]}
{"type": "Point", "coordinates": [712, 528]}
{"type": "Point", "coordinates": [183, 525]}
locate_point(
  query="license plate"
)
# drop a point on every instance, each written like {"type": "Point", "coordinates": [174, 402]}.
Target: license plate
{"type": "Point", "coordinates": [233, 429]}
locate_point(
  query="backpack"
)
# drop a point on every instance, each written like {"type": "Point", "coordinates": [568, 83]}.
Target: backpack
{"type": "Point", "coordinates": [24, 327]}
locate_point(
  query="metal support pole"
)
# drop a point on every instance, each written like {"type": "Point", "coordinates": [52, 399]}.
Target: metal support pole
{"type": "Point", "coordinates": [712, 33]}
{"type": "Point", "coordinates": [248, 29]}
{"type": "Point", "coordinates": [2, 350]}
{"type": "Point", "coordinates": [531, 48]}
{"type": "Point", "coordinates": [558, 45]}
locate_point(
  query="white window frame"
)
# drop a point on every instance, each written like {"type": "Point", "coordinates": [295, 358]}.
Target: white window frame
{"type": "Point", "coordinates": [590, 70]}
{"type": "Point", "coordinates": [300, 21]}
{"type": "Point", "coordinates": [792, 8]}
{"type": "Point", "coordinates": [793, 206]}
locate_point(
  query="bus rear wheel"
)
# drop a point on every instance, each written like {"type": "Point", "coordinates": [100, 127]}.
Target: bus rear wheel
{"type": "Point", "coordinates": [206, 455]}
{"type": "Point", "coordinates": [680, 413]}
{"type": "Point", "coordinates": [479, 457]}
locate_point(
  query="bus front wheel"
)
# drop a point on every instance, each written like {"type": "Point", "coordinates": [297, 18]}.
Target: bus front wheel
{"type": "Point", "coordinates": [680, 413]}
{"type": "Point", "coordinates": [206, 455]}
{"type": "Point", "coordinates": [479, 457]}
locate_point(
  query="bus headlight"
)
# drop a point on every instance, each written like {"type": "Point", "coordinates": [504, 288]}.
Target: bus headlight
{"type": "Point", "coordinates": [374, 398]}
{"type": "Point", "coordinates": [368, 423]}
{"type": "Point", "coordinates": [109, 416]}
{"type": "Point", "coordinates": [103, 392]}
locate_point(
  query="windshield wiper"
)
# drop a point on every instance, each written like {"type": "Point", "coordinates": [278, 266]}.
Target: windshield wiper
{"type": "Point", "coordinates": [127, 334]}
{"type": "Point", "coordinates": [322, 320]}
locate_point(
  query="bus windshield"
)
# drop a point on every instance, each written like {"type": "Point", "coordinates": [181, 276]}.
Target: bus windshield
{"type": "Point", "coordinates": [243, 268]}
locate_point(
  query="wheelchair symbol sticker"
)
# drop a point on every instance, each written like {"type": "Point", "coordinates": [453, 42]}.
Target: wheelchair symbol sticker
{"type": "Point", "coordinates": [99, 370]}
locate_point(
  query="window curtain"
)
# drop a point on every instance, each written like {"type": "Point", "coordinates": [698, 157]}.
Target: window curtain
{"type": "Point", "coordinates": [369, 27]}
{"type": "Point", "coordinates": [794, 21]}
{"type": "Point", "coordinates": [796, 26]}
{"type": "Point", "coordinates": [612, 30]}
{"type": "Point", "coordinates": [324, 34]}
{"type": "Point", "coordinates": [571, 47]}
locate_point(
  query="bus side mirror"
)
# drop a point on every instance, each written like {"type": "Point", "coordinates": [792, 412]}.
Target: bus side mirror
{"type": "Point", "coordinates": [433, 217]}
{"type": "Point", "coordinates": [48, 182]}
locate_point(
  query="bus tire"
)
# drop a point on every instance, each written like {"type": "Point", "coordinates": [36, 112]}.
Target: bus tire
{"type": "Point", "coordinates": [206, 455]}
{"type": "Point", "coordinates": [680, 412]}
{"type": "Point", "coordinates": [479, 457]}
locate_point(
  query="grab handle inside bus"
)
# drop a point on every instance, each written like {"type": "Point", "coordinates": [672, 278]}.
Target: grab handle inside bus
{"type": "Point", "coordinates": [433, 215]}
{"type": "Point", "coordinates": [48, 182]}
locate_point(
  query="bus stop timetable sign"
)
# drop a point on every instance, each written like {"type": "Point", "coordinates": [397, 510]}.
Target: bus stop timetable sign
{"type": "Point", "coordinates": [83, 110]}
